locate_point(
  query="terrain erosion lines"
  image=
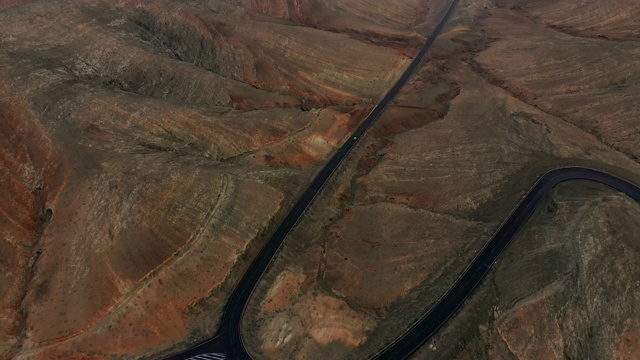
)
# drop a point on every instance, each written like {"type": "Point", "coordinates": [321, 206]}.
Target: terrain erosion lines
{"type": "Point", "coordinates": [467, 283]}
{"type": "Point", "coordinates": [229, 333]}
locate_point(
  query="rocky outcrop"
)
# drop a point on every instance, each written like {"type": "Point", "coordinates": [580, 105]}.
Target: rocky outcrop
{"type": "Point", "coordinates": [31, 174]}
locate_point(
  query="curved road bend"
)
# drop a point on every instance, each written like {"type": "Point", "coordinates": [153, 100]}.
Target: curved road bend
{"type": "Point", "coordinates": [409, 342]}
{"type": "Point", "coordinates": [426, 327]}
{"type": "Point", "coordinates": [232, 316]}
{"type": "Point", "coordinates": [229, 340]}
{"type": "Point", "coordinates": [227, 344]}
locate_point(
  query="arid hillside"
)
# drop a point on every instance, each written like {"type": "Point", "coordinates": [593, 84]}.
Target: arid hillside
{"type": "Point", "coordinates": [567, 288]}
{"type": "Point", "coordinates": [148, 148]}
{"type": "Point", "coordinates": [504, 96]}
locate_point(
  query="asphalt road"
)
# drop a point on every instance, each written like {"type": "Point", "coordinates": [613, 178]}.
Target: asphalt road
{"type": "Point", "coordinates": [410, 341]}
{"type": "Point", "coordinates": [428, 325]}
{"type": "Point", "coordinates": [229, 333]}
{"type": "Point", "coordinates": [228, 341]}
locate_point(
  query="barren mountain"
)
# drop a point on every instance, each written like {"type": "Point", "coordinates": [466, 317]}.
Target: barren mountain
{"type": "Point", "coordinates": [148, 149]}
{"type": "Point", "coordinates": [488, 112]}
{"type": "Point", "coordinates": [567, 288]}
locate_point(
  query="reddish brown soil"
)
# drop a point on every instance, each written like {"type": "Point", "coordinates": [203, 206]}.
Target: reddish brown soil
{"type": "Point", "coordinates": [430, 182]}
{"type": "Point", "coordinates": [149, 148]}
